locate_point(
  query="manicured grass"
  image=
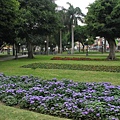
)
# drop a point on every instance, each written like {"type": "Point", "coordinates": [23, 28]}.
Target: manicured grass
{"type": "Point", "coordinates": [10, 113]}
{"type": "Point", "coordinates": [12, 67]}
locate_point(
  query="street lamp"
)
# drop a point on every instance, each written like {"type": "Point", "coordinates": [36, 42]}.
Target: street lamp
{"type": "Point", "coordinates": [45, 46]}
{"type": "Point", "coordinates": [72, 27]}
{"type": "Point", "coordinates": [68, 46]}
{"type": "Point", "coordinates": [87, 48]}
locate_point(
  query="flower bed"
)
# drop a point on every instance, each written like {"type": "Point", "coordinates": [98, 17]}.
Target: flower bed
{"type": "Point", "coordinates": [74, 67]}
{"type": "Point", "coordinates": [65, 98]}
{"type": "Point", "coordinates": [74, 58]}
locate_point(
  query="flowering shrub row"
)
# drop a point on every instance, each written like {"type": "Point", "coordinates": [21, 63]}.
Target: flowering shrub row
{"type": "Point", "coordinates": [74, 58]}
{"type": "Point", "coordinates": [74, 67]}
{"type": "Point", "coordinates": [65, 98]}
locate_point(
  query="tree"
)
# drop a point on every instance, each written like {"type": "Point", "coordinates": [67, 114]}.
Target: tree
{"type": "Point", "coordinates": [80, 35]}
{"type": "Point", "coordinates": [73, 15]}
{"type": "Point", "coordinates": [9, 10]}
{"type": "Point", "coordinates": [61, 33]}
{"type": "Point", "coordinates": [103, 19]}
{"type": "Point", "coordinates": [40, 18]}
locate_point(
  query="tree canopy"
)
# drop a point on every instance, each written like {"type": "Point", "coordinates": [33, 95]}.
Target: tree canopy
{"type": "Point", "coordinates": [80, 34]}
{"type": "Point", "coordinates": [8, 19]}
{"type": "Point", "coordinates": [40, 18]}
{"type": "Point", "coordinates": [103, 19]}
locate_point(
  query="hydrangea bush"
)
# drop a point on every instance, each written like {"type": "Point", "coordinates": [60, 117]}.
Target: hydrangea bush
{"type": "Point", "coordinates": [65, 98]}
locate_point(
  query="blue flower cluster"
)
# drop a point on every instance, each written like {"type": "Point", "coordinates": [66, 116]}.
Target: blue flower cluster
{"type": "Point", "coordinates": [65, 98]}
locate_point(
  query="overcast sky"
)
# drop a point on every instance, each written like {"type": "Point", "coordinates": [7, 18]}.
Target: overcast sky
{"type": "Point", "coordinates": [76, 3]}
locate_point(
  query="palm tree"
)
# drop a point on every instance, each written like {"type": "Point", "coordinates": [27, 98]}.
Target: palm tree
{"type": "Point", "coordinates": [73, 15]}
{"type": "Point", "coordinates": [62, 17]}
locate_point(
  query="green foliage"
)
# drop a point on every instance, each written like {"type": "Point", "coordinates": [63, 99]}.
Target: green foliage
{"type": "Point", "coordinates": [103, 19]}
{"type": "Point", "coordinates": [40, 16]}
{"type": "Point", "coordinates": [73, 15]}
{"type": "Point", "coordinates": [10, 100]}
{"type": "Point", "coordinates": [80, 34]}
{"type": "Point", "coordinates": [9, 10]}
{"type": "Point", "coordinates": [40, 19]}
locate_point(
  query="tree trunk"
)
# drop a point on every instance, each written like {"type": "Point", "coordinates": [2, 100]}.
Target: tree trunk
{"type": "Point", "coordinates": [79, 47]}
{"type": "Point", "coordinates": [60, 42]}
{"type": "Point", "coordinates": [13, 49]}
{"type": "Point", "coordinates": [83, 48]}
{"type": "Point", "coordinates": [30, 50]}
{"type": "Point", "coordinates": [112, 47]}
{"type": "Point", "coordinates": [16, 52]}
{"type": "Point", "coordinates": [105, 46]}
{"type": "Point", "coordinates": [47, 50]}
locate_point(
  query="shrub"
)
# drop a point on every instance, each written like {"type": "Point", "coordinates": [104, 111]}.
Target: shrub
{"type": "Point", "coordinates": [10, 100]}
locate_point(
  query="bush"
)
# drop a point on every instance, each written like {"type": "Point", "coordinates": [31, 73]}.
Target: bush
{"type": "Point", "coordinates": [10, 100]}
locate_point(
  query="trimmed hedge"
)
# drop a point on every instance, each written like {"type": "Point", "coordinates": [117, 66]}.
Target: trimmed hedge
{"type": "Point", "coordinates": [74, 67]}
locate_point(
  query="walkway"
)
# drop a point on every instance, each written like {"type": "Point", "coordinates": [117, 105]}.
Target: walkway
{"type": "Point", "coordinates": [5, 58]}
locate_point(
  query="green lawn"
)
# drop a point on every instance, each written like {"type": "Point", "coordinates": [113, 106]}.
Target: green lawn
{"type": "Point", "coordinates": [10, 113]}
{"type": "Point", "coordinates": [12, 67]}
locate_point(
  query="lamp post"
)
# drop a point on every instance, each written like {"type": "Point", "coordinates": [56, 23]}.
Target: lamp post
{"type": "Point", "coordinates": [68, 46]}
{"type": "Point", "coordinates": [87, 48]}
{"type": "Point", "coordinates": [72, 28]}
{"type": "Point", "coordinates": [45, 46]}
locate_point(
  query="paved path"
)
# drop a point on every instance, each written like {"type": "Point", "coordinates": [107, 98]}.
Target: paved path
{"type": "Point", "coordinates": [5, 58]}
